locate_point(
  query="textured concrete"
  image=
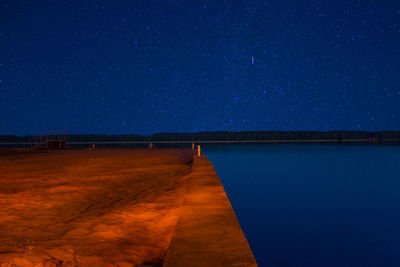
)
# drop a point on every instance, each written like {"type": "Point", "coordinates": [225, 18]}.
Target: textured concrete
{"type": "Point", "coordinates": [100, 207]}
{"type": "Point", "coordinates": [116, 207]}
{"type": "Point", "coordinates": [207, 232]}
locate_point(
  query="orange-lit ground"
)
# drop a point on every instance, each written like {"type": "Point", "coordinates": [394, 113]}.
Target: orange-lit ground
{"type": "Point", "coordinates": [100, 207]}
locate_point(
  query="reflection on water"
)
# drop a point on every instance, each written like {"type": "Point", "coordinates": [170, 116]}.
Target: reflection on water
{"type": "Point", "coordinates": [315, 205]}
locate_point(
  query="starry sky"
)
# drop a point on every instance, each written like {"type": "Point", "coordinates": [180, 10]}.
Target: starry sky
{"type": "Point", "coordinates": [144, 66]}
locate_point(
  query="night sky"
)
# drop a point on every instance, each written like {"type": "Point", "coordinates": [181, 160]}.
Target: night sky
{"type": "Point", "coordinates": [119, 67]}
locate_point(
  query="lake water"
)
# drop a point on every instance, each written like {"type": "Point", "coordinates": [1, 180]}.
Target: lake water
{"type": "Point", "coordinates": [315, 205]}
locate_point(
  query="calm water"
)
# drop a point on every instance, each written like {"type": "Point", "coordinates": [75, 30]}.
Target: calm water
{"type": "Point", "coordinates": [315, 205]}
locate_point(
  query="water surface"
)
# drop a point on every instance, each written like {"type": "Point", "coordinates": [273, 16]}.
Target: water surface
{"type": "Point", "coordinates": [315, 205]}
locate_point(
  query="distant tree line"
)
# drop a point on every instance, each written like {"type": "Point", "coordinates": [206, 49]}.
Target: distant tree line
{"type": "Point", "coordinates": [222, 136]}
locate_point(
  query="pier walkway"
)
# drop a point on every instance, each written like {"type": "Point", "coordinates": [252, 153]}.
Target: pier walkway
{"type": "Point", "coordinates": [208, 232]}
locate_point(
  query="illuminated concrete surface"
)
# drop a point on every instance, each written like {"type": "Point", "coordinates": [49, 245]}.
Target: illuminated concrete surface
{"type": "Point", "coordinates": [115, 207]}
{"type": "Point", "coordinates": [101, 207]}
{"type": "Point", "coordinates": [207, 233]}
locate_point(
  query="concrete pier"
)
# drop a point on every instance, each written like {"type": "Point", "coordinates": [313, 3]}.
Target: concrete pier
{"type": "Point", "coordinates": [116, 207]}
{"type": "Point", "coordinates": [208, 232]}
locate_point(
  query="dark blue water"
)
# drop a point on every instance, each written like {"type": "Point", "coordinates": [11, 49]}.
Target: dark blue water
{"type": "Point", "coordinates": [315, 205]}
